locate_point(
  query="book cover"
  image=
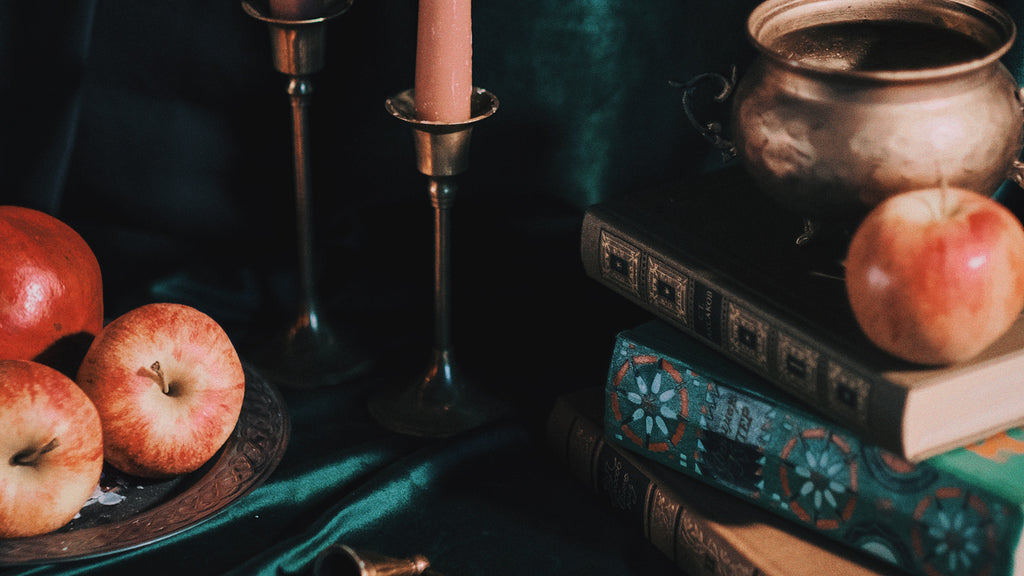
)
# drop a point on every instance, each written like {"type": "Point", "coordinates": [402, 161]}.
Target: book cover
{"type": "Point", "coordinates": [676, 401]}
{"type": "Point", "coordinates": [704, 531]}
{"type": "Point", "coordinates": [717, 259]}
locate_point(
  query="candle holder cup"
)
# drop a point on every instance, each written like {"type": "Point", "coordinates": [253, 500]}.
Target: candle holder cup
{"type": "Point", "coordinates": [311, 352]}
{"type": "Point", "coordinates": [442, 402]}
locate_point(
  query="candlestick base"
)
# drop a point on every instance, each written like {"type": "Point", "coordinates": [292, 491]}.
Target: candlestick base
{"type": "Point", "coordinates": [308, 356]}
{"type": "Point", "coordinates": [442, 402]}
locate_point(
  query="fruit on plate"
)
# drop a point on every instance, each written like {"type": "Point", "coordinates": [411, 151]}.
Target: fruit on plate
{"type": "Point", "coordinates": [51, 292]}
{"type": "Point", "coordinates": [168, 385]}
{"type": "Point", "coordinates": [934, 276]}
{"type": "Point", "coordinates": [51, 444]}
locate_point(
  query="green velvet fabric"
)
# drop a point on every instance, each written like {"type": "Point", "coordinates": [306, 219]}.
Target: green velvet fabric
{"type": "Point", "coordinates": [488, 501]}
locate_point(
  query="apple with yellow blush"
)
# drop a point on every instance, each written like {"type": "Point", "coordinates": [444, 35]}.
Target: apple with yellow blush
{"type": "Point", "coordinates": [935, 276]}
{"type": "Point", "coordinates": [168, 385]}
{"type": "Point", "coordinates": [51, 449]}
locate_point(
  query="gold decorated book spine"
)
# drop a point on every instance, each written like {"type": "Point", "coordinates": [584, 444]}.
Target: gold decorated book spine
{"type": "Point", "coordinates": [701, 529]}
{"type": "Point", "coordinates": [680, 532]}
{"type": "Point", "coordinates": [694, 298]}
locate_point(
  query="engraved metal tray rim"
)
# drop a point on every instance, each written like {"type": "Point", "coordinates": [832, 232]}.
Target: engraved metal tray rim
{"type": "Point", "coordinates": [249, 456]}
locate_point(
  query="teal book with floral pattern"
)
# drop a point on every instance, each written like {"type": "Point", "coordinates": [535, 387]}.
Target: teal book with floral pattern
{"type": "Point", "coordinates": [677, 401]}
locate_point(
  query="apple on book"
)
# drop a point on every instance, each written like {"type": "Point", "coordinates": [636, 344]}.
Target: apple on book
{"type": "Point", "coordinates": [168, 385]}
{"type": "Point", "coordinates": [52, 448]}
{"type": "Point", "coordinates": [934, 276]}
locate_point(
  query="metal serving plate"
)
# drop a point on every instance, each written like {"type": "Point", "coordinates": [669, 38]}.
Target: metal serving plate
{"type": "Point", "coordinates": [128, 512]}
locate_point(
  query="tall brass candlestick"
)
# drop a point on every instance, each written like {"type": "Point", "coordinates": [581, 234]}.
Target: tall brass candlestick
{"type": "Point", "coordinates": [310, 353]}
{"type": "Point", "coordinates": [442, 402]}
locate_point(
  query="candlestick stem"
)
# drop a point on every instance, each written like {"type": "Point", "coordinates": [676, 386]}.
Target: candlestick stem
{"type": "Point", "coordinates": [300, 90]}
{"type": "Point", "coordinates": [310, 353]}
{"type": "Point", "coordinates": [309, 336]}
{"type": "Point", "coordinates": [442, 368]}
{"type": "Point", "coordinates": [443, 402]}
{"type": "Point", "coordinates": [442, 196]}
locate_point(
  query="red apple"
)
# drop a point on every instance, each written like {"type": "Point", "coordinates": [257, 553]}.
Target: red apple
{"type": "Point", "coordinates": [168, 385]}
{"type": "Point", "coordinates": [51, 293]}
{"type": "Point", "coordinates": [51, 444]}
{"type": "Point", "coordinates": [934, 276]}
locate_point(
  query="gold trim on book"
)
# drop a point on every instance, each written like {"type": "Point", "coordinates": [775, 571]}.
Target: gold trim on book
{"type": "Point", "coordinates": [747, 334]}
{"type": "Point", "coordinates": [620, 262]}
{"type": "Point", "coordinates": [847, 394]}
{"type": "Point", "coordinates": [668, 289]}
{"type": "Point", "coordinates": [797, 366]}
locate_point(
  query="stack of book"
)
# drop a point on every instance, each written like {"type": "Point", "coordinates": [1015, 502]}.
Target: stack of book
{"type": "Point", "coordinates": [753, 380]}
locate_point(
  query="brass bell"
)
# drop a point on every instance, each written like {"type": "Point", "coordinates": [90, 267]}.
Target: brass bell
{"type": "Point", "coordinates": [341, 560]}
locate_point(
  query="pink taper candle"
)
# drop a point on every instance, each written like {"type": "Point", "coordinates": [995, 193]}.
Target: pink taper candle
{"type": "Point", "coordinates": [444, 61]}
{"type": "Point", "coordinates": [295, 9]}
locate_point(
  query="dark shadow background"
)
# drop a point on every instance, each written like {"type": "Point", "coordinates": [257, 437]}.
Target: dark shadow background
{"type": "Point", "coordinates": [161, 132]}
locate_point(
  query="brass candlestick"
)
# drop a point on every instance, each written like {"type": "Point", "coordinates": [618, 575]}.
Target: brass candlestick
{"type": "Point", "coordinates": [310, 353]}
{"type": "Point", "coordinates": [442, 402]}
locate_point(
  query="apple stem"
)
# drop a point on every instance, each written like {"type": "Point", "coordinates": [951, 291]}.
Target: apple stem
{"type": "Point", "coordinates": [31, 457]}
{"type": "Point", "coordinates": [945, 198]}
{"type": "Point", "coordinates": [155, 367]}
{"type": "Point", "coordinates": [945, 209]}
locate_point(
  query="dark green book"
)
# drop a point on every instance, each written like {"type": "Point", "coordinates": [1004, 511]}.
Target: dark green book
{"type": "Point", "coordinates": [717, 259]}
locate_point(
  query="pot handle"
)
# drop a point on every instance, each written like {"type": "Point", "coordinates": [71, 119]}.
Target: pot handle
{"type": "Point", "coordinates": [710, 130]}
{"type": "Point", "coordinates": [1016, 172]}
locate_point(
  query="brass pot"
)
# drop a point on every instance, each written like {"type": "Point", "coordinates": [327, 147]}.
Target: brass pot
{"type": "Point", "coordinates": [851, 101]}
